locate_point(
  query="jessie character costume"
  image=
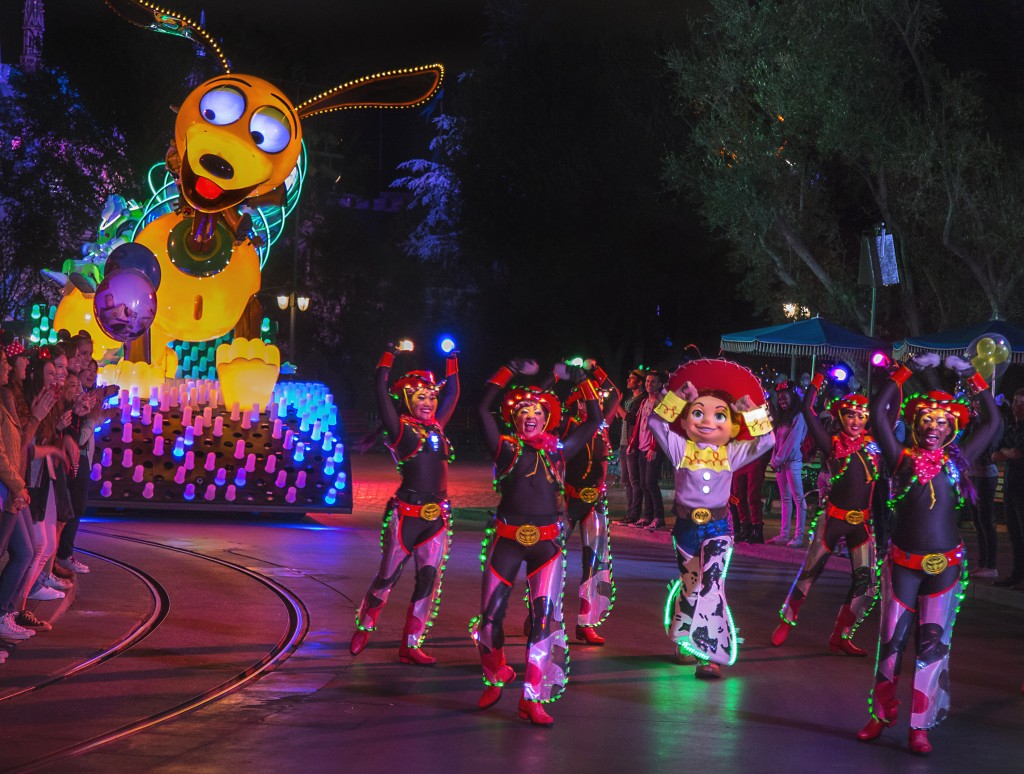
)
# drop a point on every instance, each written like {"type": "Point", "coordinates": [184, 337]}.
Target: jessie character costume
{"type": "Point", "coordinates": [417, 519]}
{"type": "Point", "coordinates": [924, 572]}
{"type": "Point", "coordinates": [529, 528]}
{"type": "Point", "coordinates": [851, 462]}
{"type": "Point", "coordinates": [586, 495]}
{"type": "Point", "coordinates": [706, 441]}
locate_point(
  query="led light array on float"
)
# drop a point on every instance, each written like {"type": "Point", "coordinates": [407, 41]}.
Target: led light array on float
{"type": "Point", "coordinates": [181, 445]}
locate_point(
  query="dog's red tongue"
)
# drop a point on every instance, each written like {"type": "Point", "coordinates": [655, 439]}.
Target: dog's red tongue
{"type": "Point", "coordinates": [207, 188]}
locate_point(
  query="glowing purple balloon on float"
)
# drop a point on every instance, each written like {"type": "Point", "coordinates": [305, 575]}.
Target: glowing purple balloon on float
{"type": "Point", "coordinates": [125, 304]}
{"type": "Point", "coordinates": [132, 255]}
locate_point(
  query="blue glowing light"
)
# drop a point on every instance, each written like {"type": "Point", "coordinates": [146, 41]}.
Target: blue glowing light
{"type": "Point", "coordinates": [447, 344]}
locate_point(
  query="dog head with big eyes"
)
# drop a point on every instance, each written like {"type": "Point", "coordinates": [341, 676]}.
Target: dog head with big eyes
{"type": "Point", "coordinates": [238, 137]}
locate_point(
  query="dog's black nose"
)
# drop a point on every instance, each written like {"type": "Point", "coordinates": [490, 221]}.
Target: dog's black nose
{"type": "Point", "coordinates": [216, 166]}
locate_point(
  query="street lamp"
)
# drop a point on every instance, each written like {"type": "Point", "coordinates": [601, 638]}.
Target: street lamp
{"type": "Point", "coordinates": [292, 301]}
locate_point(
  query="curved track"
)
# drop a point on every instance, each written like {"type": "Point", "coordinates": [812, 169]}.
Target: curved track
{"type": "Point", "coordinates": [178, 658]}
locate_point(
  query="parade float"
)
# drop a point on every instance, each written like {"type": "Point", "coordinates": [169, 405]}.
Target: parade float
{"type": "Point", "coordinates": [168, 293]}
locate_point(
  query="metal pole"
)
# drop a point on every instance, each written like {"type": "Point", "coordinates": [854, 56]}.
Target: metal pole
{"type": "Point", "coordinates": [871, 333]}
{"type": "Point", "coordinates": [291, 327]}
{"type": "Point", "coordinates": [291, 294]}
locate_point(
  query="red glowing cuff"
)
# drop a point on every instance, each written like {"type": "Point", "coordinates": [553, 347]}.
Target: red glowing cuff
{"type": "Point", "coordinates": [599, 375]}
{"type": "Point", "coordinates": [977, 382]}
{"type": "Point", "coordinates": [451, 366]}
{"type": "Point", "coordinates": [386, 360]}
{"type": "Point", "coordinates": [588, 390]}
{"type": "Point", "coordinates": [818, 381]}
{"type": "Point", "coordinates": [901, 375]}
{"type": "Point", "coordinates": [502, 377]}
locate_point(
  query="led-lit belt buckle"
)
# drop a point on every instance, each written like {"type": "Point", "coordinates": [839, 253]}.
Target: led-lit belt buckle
{"type": "Point", "coordinates": [589, 494]}
{"type": "Point", "coordinates": [700, 515]}
{"type": "Point", "coordinates": [430, 511]}
{"type": "Point", "coordinates": [527, 535]}
{"type": "Point", "coordinates": [933, 564]}
{"type": "Point", "coordinates": [854, 517]}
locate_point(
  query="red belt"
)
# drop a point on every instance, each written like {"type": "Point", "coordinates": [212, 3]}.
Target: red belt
{"type": "Point", "coordinates": [850, 517]}
{"type": "Point", "coordinates": [528, 534]}
{"type": "Point", "coordinates": [932, 564]}
{"type": "Point", "coordinates": [588, 494]}
{"type": "Point", "coordinates": [427, 511]}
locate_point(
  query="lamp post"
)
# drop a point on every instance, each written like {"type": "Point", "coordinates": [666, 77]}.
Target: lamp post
{"type": "Point", "coordinates": [296, 299]}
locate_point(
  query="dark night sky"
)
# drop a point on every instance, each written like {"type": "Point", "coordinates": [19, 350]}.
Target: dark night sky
{"type": "Point", "coordinates": [129, 76]}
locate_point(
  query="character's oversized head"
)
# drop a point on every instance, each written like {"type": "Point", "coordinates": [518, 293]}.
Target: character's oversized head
{"type": "Point", "coordinates": [719, 384]}
{"type": "Point", "coordinates": [710, 419]}
{"type": "Point", "coordinates": [237, 137]}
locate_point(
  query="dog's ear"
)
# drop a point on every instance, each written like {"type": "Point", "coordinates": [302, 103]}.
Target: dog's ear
{"type": "Point", "coordinates": [392, 89]}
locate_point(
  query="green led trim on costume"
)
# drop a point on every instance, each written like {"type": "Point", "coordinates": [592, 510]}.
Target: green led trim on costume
{"type": "Point", "coordinates": [673, 589]}
{"type": "Point", "coordinates": [485, 546]}
{"type": "Point", "coordinates": [893, 501]}
{"type": "Point", "coordinates": [565, 637]}
{"type": "Point", "coordinates": [545, 460]}
{"type": "Point", "coordinates": [400, 463]}
{"type": "Point", "coordinates": [611, 563]}
{"type": "Point", "coordinates": [446, 513]}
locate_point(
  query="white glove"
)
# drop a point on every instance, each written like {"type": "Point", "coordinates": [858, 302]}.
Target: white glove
{"type": "Point", "coordinates": [958, 364]}
{"type": "Point", "coordinates": [925, 360]}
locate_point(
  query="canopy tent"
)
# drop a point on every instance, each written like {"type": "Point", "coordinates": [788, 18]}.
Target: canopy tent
{"type": "Point", "coordinates": [957, 340]}
{"type": "Point", "coordinates": [815, 337]}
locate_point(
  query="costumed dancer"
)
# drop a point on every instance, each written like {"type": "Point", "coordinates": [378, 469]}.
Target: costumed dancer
{"type": "Point", "coordinates": [924, 573]}
{"type": "Point", "coordinates": [529, 528]}
{"type": "Point", "coordinates": [586, 497]}
{"type": "Point", "coordinates": [709, 425]}
{"type": "Point", "coordinates": [417, 520]}
{"type": "Point", "coordinates": [851, 461]}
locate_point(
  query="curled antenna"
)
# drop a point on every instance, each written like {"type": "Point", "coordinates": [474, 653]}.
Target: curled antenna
{"type": "Point", "coordinates": [149, 16]}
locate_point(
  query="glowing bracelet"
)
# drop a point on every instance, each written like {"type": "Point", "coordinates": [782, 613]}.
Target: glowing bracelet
{"type": "Point", "coordinates": [502, 377]}
{"type": "Point", "coordinates": [901, 375]}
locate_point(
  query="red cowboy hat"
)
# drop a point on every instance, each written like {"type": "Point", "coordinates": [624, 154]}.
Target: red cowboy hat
{"type": "Point", "coordinates": [545, 398]}
{"type": "Point", "coordinates": [851, 401]}
{"type": "Point", "coordinates": [413, 381]}
{"type": "Point", "coordinates": [721, 375]}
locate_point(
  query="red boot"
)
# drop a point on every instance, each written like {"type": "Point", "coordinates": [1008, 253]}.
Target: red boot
{"type": "Point", "coordinates": [589, 635]}
{"type": "Point", "coordinates": [534, 712]}
{"type": "Point", "coordinates": [839, 642]}
{"type": "Point", "coordinates": [885, 711]}
{"type": "Point", "coordinates": [359, 640]}
{"type": "Point", "coordinates": [497, 673]}
{"type": "Point", "coordinates": [919, 744]}
{"type": "Point", "coordinates": [783, 629]}
{"type": "Point", "coordinates": [413, 631]}
{"type": "Point", "coordinates": [781, 633]}
{"type": "Point", "coordinates": [409, 655]}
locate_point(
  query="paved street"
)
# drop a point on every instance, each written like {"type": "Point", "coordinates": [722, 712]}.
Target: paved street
{"type": "Point", "coordinates": [316, 708]}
